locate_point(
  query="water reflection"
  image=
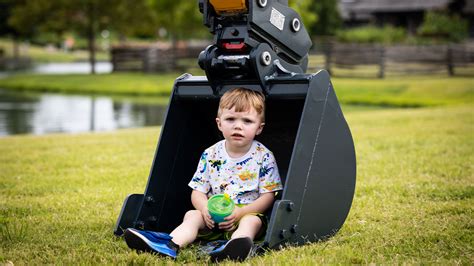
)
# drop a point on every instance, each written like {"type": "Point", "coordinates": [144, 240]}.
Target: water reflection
{"type": "Point", "coordinates": [51, 113]}
{"type": "Point", "coordinates": [72, 68]}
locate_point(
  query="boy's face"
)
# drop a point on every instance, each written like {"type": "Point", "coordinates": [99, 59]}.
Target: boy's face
{"type": "Point", "coordinates": [239, 128]}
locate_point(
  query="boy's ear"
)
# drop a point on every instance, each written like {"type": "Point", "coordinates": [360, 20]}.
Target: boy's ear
{"type": "Point", "coordinates": [218, 122]}
{"type": "Point", "coordinates": [260, 128]}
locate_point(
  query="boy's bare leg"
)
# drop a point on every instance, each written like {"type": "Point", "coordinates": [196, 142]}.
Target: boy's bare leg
{"type": "Point", "coordinates": [188, 230]}
{"type": "Point", "coordinates": [249, 226]}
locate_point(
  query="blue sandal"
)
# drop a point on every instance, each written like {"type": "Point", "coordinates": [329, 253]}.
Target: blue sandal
{"type": "Point", "coordinates": [149, 241]}
{"type": "Point", "coordinates": [237, 249]}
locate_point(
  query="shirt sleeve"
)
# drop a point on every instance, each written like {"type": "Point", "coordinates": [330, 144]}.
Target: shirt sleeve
{"type": "Point", "coordinates": [269, 177]}
{"type": "Point", "coordinates": [200, 180]}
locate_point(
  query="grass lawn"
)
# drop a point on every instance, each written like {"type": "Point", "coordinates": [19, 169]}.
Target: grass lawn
{"type": "Point", "coordinates": [406, 92]}
{"type": "Point", "coordinates": [118, 84]}
{"type": "Point", "coordinates": [40, 54]}
{"type": "Point", "coordinates": [61, 194]}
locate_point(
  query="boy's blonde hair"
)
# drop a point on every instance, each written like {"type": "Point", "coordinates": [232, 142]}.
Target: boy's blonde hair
{"type": "Point", "coordinates": [242, 99]}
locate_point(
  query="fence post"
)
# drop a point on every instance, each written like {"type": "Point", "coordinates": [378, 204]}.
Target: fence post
{"type": "Point", "coordinates": [113, 55]}
{"type": "Point", "coordinates": [327, 55]}
{"type": "Point", "coordinates": [381, 74]}
{"type": "Point", "coordinates": [145, 60]}
{"type": "Point", "coordinates": [449, 60]}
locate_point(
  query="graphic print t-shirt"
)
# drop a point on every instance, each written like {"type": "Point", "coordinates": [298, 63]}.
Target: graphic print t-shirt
{"type": "Point", "coordinates": [244, 178]}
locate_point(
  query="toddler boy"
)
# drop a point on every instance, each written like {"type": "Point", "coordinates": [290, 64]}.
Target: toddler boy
{"type": "Point", "coordinates": [239, 166]}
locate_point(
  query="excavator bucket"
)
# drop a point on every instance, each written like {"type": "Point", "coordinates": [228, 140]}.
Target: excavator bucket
{"type": "Point", "coordinates": [259, 45]}
{"type": "Point", "coordinates": [306, 131]}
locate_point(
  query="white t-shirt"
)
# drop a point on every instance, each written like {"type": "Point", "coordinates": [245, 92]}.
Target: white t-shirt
{"type": "Point", "coordinates": [244, 178]}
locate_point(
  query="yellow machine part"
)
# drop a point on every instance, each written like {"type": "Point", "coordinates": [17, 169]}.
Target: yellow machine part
{"type": "Point", "coordinates": [229, 6]}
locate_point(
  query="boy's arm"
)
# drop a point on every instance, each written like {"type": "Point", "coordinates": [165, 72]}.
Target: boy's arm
{"type": "Point", "coordinates": [199, 201]}
{"type": "Point", "coordinates": [260, 205]}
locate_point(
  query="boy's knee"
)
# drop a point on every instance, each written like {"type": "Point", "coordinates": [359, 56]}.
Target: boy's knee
{"type": "Point", "coordinates": [251, 220]}
{"type": "Point", "coordinates": [249, 226]}
{"type": "Point", "coordinates": [192, 214]}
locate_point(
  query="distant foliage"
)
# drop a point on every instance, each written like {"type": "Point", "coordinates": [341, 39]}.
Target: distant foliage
{"type": "Point", "coordinates": [181, 19]}
{"type": "Point", "coordinates": [321, 17]}
{"type": "Point", "coordinates": [372, 34]}
{"type": "Point", "coordinates": [329, 20]}
{"type": "Point", "coordinates": [308, 16]}
{"type": "Point", "coordinates": [442, 26]}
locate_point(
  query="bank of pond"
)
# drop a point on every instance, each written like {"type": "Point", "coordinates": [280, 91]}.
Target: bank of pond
{"type": "Point", "coordinates": [43, 113]}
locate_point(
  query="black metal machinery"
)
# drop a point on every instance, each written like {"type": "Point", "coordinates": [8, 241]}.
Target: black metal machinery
{"type": "Point", "coordinates": [260, 45]}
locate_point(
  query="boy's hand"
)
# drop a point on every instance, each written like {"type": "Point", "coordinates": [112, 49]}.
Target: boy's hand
{"type": "Point", "coordinates": [229, 224]}
{"type": "Point", "coordinates": [207, 217]}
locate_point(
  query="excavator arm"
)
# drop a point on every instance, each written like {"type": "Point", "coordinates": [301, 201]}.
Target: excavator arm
{"type": "Point", "coordinates": [253, 39]}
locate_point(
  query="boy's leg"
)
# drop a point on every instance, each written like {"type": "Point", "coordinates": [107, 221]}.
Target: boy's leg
{"type": "Point", "coordinates": [240, 245]}
{"type": "Point", "coordinates": [188, 230]}
{"type": "Point", "coordinates": [163, 243]}
{"type": "Point", "coordinates": [249, 226]}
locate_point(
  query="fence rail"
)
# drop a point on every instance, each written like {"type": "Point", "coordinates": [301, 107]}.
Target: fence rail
{"type": "Point", "coordinates": [399, 59]}
{"type": "Point", "coordinates": [10, 63]}
{"type": "Point", "coordinates": [151, 58]}
{"type": "Point", "coordinates": [339, 59]}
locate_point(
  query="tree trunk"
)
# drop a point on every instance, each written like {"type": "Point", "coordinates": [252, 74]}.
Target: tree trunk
{"type": "Point", "coordinates": [122, 39]}
{"type": "Point", "coordinates": [91, 36]}
{"type": "Point", "coordinates": [16, 49]}
{"type": "Point", "coordinates": [174, 51]}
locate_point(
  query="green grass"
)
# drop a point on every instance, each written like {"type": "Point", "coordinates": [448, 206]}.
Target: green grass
{"type": "Point", "coordinates": [61, 194]}
{"type": "Point", "coordinates": [117, 83]}
{"type": "Point", "coordinates": [40, 54]}
{"type": "Point", "coordinates": [398, 92]}
{"type": "Point", "coordinates": [405, 91]}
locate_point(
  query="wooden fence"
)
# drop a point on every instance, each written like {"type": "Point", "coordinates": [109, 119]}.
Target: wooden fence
{"type": "Point", "coordinates": [11, 64]}
{"type": "Point", "coordinates": [339, 59]}
{"type": "Point", "coordinates": [152, 58]}
{"type": "Point", "coordinates": [380, 61]}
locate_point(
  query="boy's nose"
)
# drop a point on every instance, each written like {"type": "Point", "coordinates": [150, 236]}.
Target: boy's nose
{"type": "Point", "coordinates": [238, 125]}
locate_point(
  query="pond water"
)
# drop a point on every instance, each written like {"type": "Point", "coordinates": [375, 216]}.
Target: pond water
{"type": "Point", "coordinates": [72, 68]}
{"type": "Point", "coordinates": [45, 113]}
{"type": "Point", "coordinates": [62, 68]}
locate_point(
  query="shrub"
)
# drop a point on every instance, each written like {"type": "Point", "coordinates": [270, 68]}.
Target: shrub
{"type": "Point", "coordinates": [372, 34]}
{"type": "Point", "coordinates": [442, 26]}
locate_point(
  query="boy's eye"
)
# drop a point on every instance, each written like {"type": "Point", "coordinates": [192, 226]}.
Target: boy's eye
{"type": "Point", "coordinates": [230, 119]}
{"type": "Point", "coordinates": [248, 121]}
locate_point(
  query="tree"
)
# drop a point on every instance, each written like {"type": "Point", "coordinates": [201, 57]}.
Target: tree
{"type": "Point", "coordinates": [85, 17]}
{"type": "Point", "coordinates": [321, 17]}
{"type": "Point", "coordinates": [136, 18]}
{"type": "Point", "coordinates": [307, 15]}
{"type": "Point", "coordinates": [444, 26]}
{"type": "Point", "coordinates": [180, 18]}
{"type": "Point", "coordinates": [6, 29]}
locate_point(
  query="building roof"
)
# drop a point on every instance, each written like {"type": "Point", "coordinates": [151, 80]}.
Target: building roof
{"type": "Point", "coordinates": [363, 9]}
{"type": "Point", "coordinates": [394, 6]}
{"type": "Point", "coordinates": [469, 7]}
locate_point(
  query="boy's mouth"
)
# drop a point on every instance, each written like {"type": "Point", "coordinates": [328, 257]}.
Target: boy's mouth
{"type": "Point", "coordinates": [237, 135]}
